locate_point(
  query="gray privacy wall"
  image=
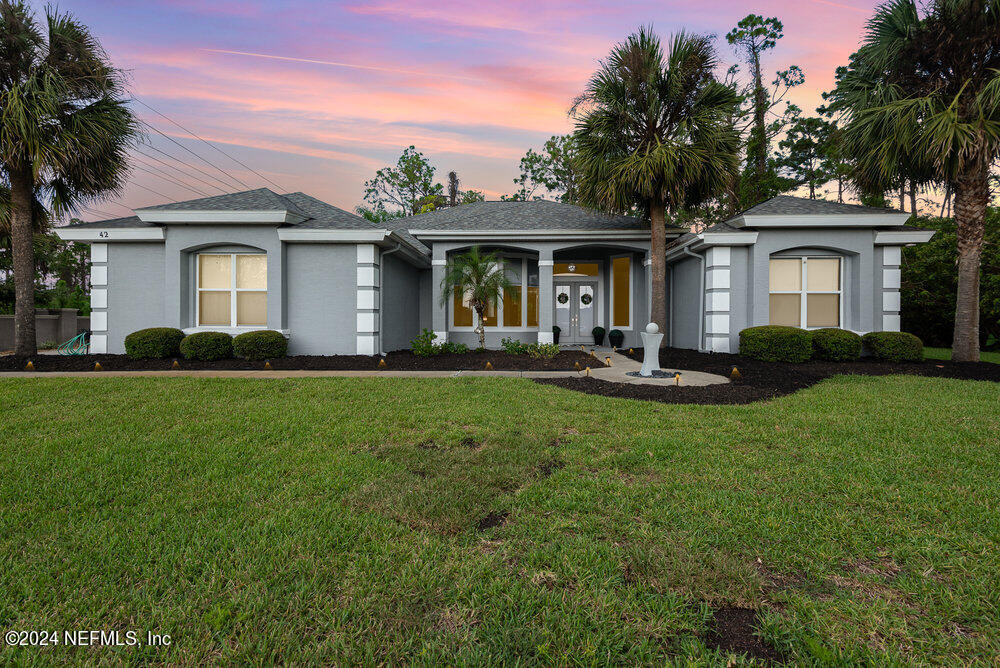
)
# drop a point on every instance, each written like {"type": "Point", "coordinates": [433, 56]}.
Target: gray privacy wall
{"type": "Point", "coordinates": [53, 325]}
{"type": "Point", "coordinates": [683, 284]}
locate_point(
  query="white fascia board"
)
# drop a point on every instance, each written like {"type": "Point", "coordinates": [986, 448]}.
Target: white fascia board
{"type": "Point", "coordinates": [298, 235]}
{"type": "Point", "coordinates": [824, 220]}
{"type": "Point", "coordinates": [417, 254]}
{"type": "Point", "coordinates": [514, 235]}
{"type": "Point", "coordinates": [272, 217]}
{"type": "Point", "coordinates": [900, 238]}
{"type": "Point", "coordinates": [708, 239]}
{"type": "Point", "coordinates": [110, 234]}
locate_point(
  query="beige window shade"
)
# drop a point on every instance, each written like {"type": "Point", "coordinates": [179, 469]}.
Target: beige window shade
{"type": "Point", "coordinates": [215, 272]}
{"type": "Point", "coordinates": [786, 275]}
{"type": "Point", "coordinates": [232, 280]}
{"type": "Point", "coordinates": [251, 309]}
{"type": "Point", "coordinates": [823, 274]}
{"type": "Point", "coordinates": [251, 272]}
{"type": "Point", "coordinates": [214, 308]}
{"type": "Point", "coordinates": [823, 310]}
{"type": "Point", "coordinates": [786, 309]}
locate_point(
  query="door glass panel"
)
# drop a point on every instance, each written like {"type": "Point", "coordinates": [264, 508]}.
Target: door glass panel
{"type": "Point", "coordinates": [822, 310]}
{"type": "Point", "coordinates": [786, 275]}
{"type": "Point", "coordinates": [563, 307]}
{"type": "Point", "coordinates": [461, 310]}
{"type": "Point", "coordinates": [512, 306]}
{"type": "Point", "coordinates": [786, 309]}
{"type": "Point", "coordinates": [585, 308]}
{"type": "Point", "coordinates": [823, 274]}
{"type": "Point", "coordinates": [574, 269]}
{"type": "Point", "coordinates": [532, 306]}
{"type": "Point", "coordinates": [214, 272]}
{"type": "Point", "coordinates": [251, 308]}
{"type": "Point", "coordinates": [213, 308]}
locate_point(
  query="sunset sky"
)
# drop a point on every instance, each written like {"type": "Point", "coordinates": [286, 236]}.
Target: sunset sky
{"type": "Point", "coordinates": [318, 95]}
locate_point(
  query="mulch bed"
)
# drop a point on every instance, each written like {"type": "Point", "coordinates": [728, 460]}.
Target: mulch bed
{"type": "Point", "coordinates": [402, 360]}
{"type": "Point", "coordinates": [762, 380]}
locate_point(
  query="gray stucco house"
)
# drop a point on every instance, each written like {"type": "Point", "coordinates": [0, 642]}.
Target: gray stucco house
{"type": "Point", "coordinates": [336, 283]}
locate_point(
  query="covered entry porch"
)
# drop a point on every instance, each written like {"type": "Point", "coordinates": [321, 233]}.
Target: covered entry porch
{"type": "Point", "coordinates": [571, 286]}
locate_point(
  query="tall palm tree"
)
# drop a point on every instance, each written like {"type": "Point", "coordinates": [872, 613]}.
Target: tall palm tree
{"type": "Point", "coordinates": [65, 130]}
{"type": "Point", "coordinates": [655, 134]}
{"type": "Point", "coordinates": [481, 278]}
{"type": "Point", "coordinates": [922, 97]}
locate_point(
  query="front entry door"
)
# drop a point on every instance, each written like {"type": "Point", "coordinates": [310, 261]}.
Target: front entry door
{"type": "Point", "coordinates": [576, 311]}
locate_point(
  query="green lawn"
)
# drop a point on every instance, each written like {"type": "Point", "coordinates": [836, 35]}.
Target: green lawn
{"type": "Point", "coordinates": [945, 354]}
{"type": "Point", "coordinates": [334, 520]}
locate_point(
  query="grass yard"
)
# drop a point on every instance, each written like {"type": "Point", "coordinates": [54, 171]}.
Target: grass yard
{"type": "Point", "coordinates": [494, 519]}
{"type": "Point", "coordinates": [945, 354]}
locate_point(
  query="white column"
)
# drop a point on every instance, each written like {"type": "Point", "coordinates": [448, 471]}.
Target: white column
{"type": "Point", "coordinates": [717, 298]}
{"type": "Point", "coordinates": [368, 299]}
{"type": "Point", "coordinates": [439, 308]}
{"type": "Point", "coordinates": [545, 297]}
{"type": "Point", "coordinates": [99, 298]}
{"type": "Point", "coordinates": [892, 258]}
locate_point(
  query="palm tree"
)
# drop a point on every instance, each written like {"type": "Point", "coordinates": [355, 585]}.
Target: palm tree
{"type": "Point", "coordinates": [655, 134]}
{"type": "Point", "coordinates": [481, 278]}
{"type": "Point", "coordinates": [64, 132]}
{"type": "Point", "coordinates": [922, 97]}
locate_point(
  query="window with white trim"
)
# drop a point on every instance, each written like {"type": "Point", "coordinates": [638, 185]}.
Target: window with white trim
{"type": "Point", "coordinates": [806, 291]}
{"type": "Point", "coordinates": [232, 290]}
{"type": "Point", "coordinates": [621, 292]}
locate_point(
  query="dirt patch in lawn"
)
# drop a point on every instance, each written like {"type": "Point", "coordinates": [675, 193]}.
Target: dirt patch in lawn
{"type": "Point", "coordinates": [492, 520]}
{"type": "Point", "coordinates": [762, 380]}
{"type": "Point", "coordinates": [735, 630]}
{"type": "Point", "coordinates": [402, 360]}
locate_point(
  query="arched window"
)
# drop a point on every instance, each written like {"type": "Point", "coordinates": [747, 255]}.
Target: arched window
{"type": "Point", "coordinates": [232, 290]}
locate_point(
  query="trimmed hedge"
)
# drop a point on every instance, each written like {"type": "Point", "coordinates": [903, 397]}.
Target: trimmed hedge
{"type": "Point", "coordinates": [836, 345]}
{"type": "Point", "coordinates": [776, 343]}
{"type": "Point", "coordinates": [260, 345]}
{"type": "Point", "coordinates": [207, 346]}
{"type": "Point", "coordinates": [894, 346]}
{"type": "Point", "coordinates": [154, 343]}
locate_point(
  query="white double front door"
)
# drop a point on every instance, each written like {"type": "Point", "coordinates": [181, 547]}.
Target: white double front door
{"type": "Point", "coordinates": [576, 311]}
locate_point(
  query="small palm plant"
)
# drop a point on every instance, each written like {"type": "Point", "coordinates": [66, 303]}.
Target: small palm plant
{"type": "Point", "coordinates": [480, 277]}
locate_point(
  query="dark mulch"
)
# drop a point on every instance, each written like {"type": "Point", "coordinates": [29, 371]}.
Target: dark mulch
{"type": "Point", "coordinates": [492, 520]}
{"type": "Point", "coordinates": [734, 630]}
{"type": "Point", "coordinates": [402, 360]}
{"type": "Point", "coordinates": [762, 380]}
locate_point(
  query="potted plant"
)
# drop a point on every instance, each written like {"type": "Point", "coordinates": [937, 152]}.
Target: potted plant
{"type": "Point", "coordinates": [598, 333]}
{"type": "Point", "coordinates": [616, 338]}
{"type": "Point", "coordinates": [555, 333]}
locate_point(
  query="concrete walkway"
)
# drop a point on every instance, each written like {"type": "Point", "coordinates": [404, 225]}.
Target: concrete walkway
{"type": "Point", "coordinates": [616, 373]}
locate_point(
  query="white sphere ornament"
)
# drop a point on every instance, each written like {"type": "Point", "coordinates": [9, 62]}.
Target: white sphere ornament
{"type": "Point", "coordinates": [652, 328]}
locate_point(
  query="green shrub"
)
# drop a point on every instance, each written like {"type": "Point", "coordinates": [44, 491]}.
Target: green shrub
{"type": "Point", "coordinates": [776, 343]}
{"type": "Point", "coordinates": [616, 338]}
{"type": "Point", "coordinates": [836, 345]}
{"type": "Point", "coordinates": [543, 350]}
{"type": "Point", "coordinates": [155, 342]}
{"type": "Point", "coordinates": [894, 346]}
{"type": "Point", "coordinates": [598, 334]}
{"type": "Point", "coordinates": [513, 346]}
{"type": "Point", "coordinates": [207, 346]}
{"type": "Point", "coordinates": [260, 345]}
{"type": "Point", "coordinates": [423, 344]}
{"type": "Point", "coordinates": [450, 347]}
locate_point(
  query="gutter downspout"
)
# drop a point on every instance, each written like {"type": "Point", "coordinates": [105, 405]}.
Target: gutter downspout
{"type": "Point", "coordinates": [381, 311]}
{"type": "Point", "coordinates": [701, 297]}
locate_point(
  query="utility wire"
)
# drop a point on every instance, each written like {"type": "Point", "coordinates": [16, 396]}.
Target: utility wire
{"type": "Point", "coordinates": [179, 171]}
{"type": "Point", "coordinates": [155, 171]}
{"type": "Point", "coordinates": [245, 166]}
{"type": "Point", "coordinates": [139, 185]}
{"type": "Point", "coordinates": [212, 165]}
{"type": "Point", "coordinates": [226, 187]}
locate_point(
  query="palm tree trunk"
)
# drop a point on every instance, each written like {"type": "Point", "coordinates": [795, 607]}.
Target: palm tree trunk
{"type": "Point", "coordinates": [658, 266]}
{"type": "Point", "coordinates": [480, 328]}
{"type": "Point", "coordinates": [840, 189]}
{"type": "Point", "coordinates": [971, 198]}
{"type": "Point", "coordinates": [913, 198]}
{"type": "Point", "coordinates": [23, 255]}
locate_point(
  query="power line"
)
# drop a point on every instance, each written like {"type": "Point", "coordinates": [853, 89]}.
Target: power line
{"type": "Point", "coordinates": [245, 166]}
{"type": "Point", "coordinates": [149, 169]}
{"type": "Point", "coordinates": [212, 165]}
{"type": "Point", "coordinates": [182, 173]}
{"type": "Point", "coordinates": [139, 185]}
{"type": "Point", "coordinates": [227, 187]}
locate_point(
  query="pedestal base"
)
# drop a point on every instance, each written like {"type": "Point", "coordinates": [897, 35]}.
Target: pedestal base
{"type": "Point", "coordinates": [650, 353]}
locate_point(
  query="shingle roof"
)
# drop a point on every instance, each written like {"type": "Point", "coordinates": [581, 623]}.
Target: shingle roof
{"type": "Point", "coordinates": [326, 216]}
{"type": "Point", "coordinates": [261, 199]}
{"type": "Point", "coordinates": [127, 221]}
{"type": "Point", "coordinates": [534, 215]}
{"type": "Point", "coordinates": [787, 205]}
